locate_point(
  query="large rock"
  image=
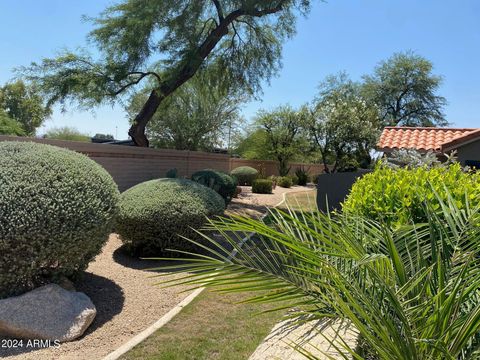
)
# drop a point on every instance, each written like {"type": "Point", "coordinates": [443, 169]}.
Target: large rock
{"type": "Point", "coordinates": [49, 312]}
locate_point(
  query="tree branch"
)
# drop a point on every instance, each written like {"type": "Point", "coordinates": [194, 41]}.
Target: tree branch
{"type": "Point", "coordinates": [218, 6]}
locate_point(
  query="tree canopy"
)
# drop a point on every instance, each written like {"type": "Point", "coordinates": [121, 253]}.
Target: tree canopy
{"type": "Point", "coordinates": [8, 126]}
{"type": "Point", "coordinates": [405, 90]}
{"type": "Point", "coordinates": [67, 133]}
{"type": "Point", "coordinates": [284, 130]}
{"type": "Point", "coordinates": [200, 115]}
{"type": "Point", "coordinates": [168, 41]}
{"type": "Point", "coordinates": [343, 126]}
{"type": "Point", "coordinates": [25, 105]}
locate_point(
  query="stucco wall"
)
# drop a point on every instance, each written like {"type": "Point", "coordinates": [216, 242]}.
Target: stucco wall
{"type": "Point", "coordinates": [469, 151]}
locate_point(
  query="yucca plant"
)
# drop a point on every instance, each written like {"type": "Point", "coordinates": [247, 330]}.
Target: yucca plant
{"type": "Point", "coordinates": [409, 293]}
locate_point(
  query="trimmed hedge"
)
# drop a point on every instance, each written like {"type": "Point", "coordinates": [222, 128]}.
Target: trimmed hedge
{"type": "Point", "coordinates": [285, 182]}
{"type": "Point", "coordinates": [399, 196]}
{"type": "Point", "coordinates": [57, 209]}
{"type": "Point", "coordinates": [153, 214]}
{"type": "Point", "coordinates": [244, 175]}
{"type": "Point", "coordinates": [222, 183]}
{"type": "Point", "coordinates": [262, 186]}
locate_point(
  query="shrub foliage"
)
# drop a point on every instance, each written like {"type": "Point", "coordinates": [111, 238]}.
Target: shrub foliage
{"type": "Point", "coordinates": [262, 186]}
{"type": "Point", "coordinates": [57, 208]}
{"type": "Point", "coordinates": [245, 175]}
{"type": "Point", "coordinates": [222, 183]}
{"type": "Point", "coordinates": [399, 195]}
{"type": "Point", "coordinates": [154, 214]}
{"type": "Point", "coordinates": [285, 181]}
{"type": "Point", "coordinates": [302, 176]}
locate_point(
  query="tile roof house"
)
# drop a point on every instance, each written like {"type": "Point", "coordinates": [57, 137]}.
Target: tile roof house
{"type": "Point", "coordinates": [466, 141]}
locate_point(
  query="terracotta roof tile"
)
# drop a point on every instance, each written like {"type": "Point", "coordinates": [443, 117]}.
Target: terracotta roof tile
{"type": "Point", "coordinates": [424, 138]}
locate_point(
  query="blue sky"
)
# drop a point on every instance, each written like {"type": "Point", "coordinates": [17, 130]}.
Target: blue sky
{"type": "Point", "coordinates": [350, 35]}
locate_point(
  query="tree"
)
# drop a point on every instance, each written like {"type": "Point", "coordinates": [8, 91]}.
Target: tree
{"type": "Point", "coordinates": [254, 145]}
{"type": "Point", "coordinates": [343, 126]}
{"type": "Point", "coordinates": [8, 126]}
{"type": "Point", "coordinates": [404, 89]}
{"type": "Point", "coordinates": [25, 105]}
{"type": "Point", "coordinates": [284, 128]}
{"type": "Point", "coordinates": [103, 137]}
{"type": "Point", "coordinates": [66, 133]}
{"type": "Point", "coordinates": [168, 41]}
{"type": "Point", "coordinates": [200, 115]}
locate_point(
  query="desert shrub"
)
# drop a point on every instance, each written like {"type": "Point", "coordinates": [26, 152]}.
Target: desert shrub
{"type": "Point", "coordinates": [262, 186]}
{"type": "Point", "coordinates": [222, 183]}
{"type": "Point", "coordinates": [294, 179]}
{"type": "Point", "coordinates": [245, 175]}
{"type": "Point", "coordinates": [172, 173]}
{"type": "Point", "coordinates": [302, 176]}
{"type": "Point", "coordinates": [155, 214]}
{"type": "Point", "coordinates": [285, 182]}
{"type": "Point", "coordinates": [57, 209]}
{"type": "Point", "coordinates": [398, 196]}
{"type": "Point", "coordinates": [347, 164]}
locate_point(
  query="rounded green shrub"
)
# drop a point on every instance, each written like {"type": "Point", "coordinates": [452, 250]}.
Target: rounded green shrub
{"type": "Point", "coordinates": [222, 183]}
{"type": "Point", "coordinates": [262, 186]}
{"type": "Point", "coordinates": [244, 175]}
{"type": "Point", "coordinates": [285, 182]}
{"type": "Point", "coordinates": [294, 179]}
{"type": "Point", "coordinates": [398, 196]}
{"type": "Point", "coordinates": [155, 214]}
{"type": "Point", "coordinates": [57, 209]}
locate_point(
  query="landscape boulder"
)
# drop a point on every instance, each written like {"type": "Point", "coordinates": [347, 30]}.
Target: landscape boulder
{"type": "Point", "coordinates": [49, 312]}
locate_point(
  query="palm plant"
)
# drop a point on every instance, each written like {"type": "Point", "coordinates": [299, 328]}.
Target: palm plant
{"type": "Point", "coordinates": [409, 293]}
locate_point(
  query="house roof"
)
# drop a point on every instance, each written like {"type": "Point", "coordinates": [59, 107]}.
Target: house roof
{"type": "Point", "coordinates": [425, 138]}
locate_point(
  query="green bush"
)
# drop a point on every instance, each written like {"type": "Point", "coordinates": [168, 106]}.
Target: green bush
{"type": "Point", "coordinates": [302, 176]}
{"type": "Point", "coordinates": [172, 173]}
{"type": "Point", "coordinates": [57, 209]}
{"type": "Point", "coordinates": [262, 186]}
{"type": "Point", "coordinates": [284, 181]}
{"type": "Point", "coordinates": [398, 196]}
{"type": "Point", "coordinates": [222, 183]}
{"type": "Point", "coordinates": [154, 214]}
{"type": "Point", "coordinates": [245, 175]}
{"type": "Point", "coordinates": [294, 179]}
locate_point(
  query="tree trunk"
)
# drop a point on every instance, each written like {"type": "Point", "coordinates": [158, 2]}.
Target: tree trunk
{"type": "Point", "coordinates": [137, 130]}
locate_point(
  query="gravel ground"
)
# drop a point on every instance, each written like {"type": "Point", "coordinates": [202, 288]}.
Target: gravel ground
{"type": "Point", "coordinates": [124, 295]}
{"type": "Point", "coordinates": [255, 205]}
{"type": "Point", "coordinates": [126, 303]}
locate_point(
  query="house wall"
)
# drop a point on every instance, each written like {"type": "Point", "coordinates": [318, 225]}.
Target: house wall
{"type": "Point", "coordinates": [469, 151]}
{"type": "Point", "coordinates": [130, 165]}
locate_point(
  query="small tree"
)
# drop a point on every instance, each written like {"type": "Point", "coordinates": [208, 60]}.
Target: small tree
{"type": "Point", "coordinates": [342, 124]}
{"type": "Point", "coordinates": [284, 129]}
{"type": "Point", "coordinates": [24, 104]}
{"type": "Point", "coordinates": [404, 89]}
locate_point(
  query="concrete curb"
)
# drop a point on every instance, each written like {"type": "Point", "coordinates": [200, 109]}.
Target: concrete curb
{"type": "Point", "coordinates": [137, 339]}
